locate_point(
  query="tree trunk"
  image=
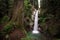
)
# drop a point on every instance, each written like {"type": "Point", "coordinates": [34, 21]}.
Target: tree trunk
{"type": "Point", "coordinates": [17, 13]}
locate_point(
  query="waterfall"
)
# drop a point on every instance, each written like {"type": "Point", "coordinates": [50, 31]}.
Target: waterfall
{"type": "Point", "coordinates": [35, 30]}
{"type": "Point", "coordinates": [39, 3]}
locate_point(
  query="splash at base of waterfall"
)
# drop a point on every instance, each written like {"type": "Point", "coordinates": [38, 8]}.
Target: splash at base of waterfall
{"type": "Point", "coordinates": [35, 32]}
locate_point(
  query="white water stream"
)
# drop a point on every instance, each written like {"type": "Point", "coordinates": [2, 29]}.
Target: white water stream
{"type": "Point", "coordinates": [35, 29]}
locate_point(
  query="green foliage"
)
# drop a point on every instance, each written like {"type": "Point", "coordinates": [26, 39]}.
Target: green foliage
{"type": "Point", "coordinates": [49, 20]}
{"type": "Point", "coordinates": [8, 28]}
{"type": "Point", "coordinates": [5, 19]}
{"type": "Point", "coordinates": [28, 36]}
{"type": "Point", "coordinates": [27, 12]}
{"type": "Point", "coordinates": [10, 6]}
{"type": "Point", "coordinates": [42, 19]}
{"type": "Point", "coordinates": [5, 10]}
{"type": "Point", "coordinates": [10, 3]}
{"type": "Point", "coordinates": [27, 8]}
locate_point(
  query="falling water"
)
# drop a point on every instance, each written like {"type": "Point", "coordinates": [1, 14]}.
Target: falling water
{"type": "Point", "coordinates": [39, 3]}
{"type": "Point", "coordinates": [35, 30]}
{"type": "Point", "coordinates": [35, 33]}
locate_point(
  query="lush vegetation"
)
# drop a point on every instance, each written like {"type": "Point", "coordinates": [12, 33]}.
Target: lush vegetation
{"type": "Point", "coordinates": [15, 16]}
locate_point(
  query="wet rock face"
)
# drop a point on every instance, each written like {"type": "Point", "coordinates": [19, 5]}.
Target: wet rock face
{"type": "Point", "coordinates": [16, 35]}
